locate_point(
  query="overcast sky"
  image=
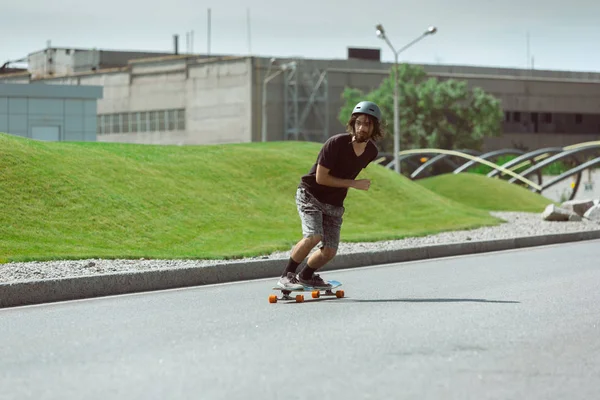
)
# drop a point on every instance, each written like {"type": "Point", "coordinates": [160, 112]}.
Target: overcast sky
{"type": "Point", "coordinates": [563, 35]}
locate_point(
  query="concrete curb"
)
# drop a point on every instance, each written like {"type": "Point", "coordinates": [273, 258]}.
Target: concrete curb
{"type": "Point", "coordinates": [53, 290]}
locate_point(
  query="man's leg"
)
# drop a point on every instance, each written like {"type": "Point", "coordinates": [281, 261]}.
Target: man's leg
{"type": "Point", "coordinates": [288, 278]}
{"type": "Point", "coordinates": [312, 229]}
{"type": "Point", "coordinates": [299, 253]}
{"type": "Point", "coordinates": [321, 257]}
{"type": "Point", "coordinates": [315, 262]}
{"type": "Point", "coordinates": [331, 237]}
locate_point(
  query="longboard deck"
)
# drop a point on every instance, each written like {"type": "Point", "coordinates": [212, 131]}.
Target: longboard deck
{"type": "Point", "coordinates": [316, 293]}
{"type": "Point", "coordinates": [334, 284]}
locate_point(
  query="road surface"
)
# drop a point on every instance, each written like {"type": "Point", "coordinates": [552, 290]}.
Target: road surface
{"type": "Point", "coordinates": [506, 325]}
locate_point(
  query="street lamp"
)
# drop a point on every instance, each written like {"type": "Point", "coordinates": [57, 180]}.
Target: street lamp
{"type": "Point", "coordinates": [381, 34]}
{"type": "Point", "coordinates": [267, 79]}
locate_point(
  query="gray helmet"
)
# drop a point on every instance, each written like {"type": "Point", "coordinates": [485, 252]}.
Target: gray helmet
{"type": "Point", "coordinates": [367, 107]}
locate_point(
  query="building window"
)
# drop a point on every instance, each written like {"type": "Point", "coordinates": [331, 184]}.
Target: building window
{"type": "Point", "coordinates": [578, 119]}
{"type": "Point", "coordinates": [548, 118]}
{"type": "Point", "coordinates": [116, 123]}
{"type": "Point", "coordinates": [106, 123]}
{"type": "Point", "coordinates": [153, 122]}
{"type": "Point", "coordinates": [161, 120]}
{"type": "Point", "coordinates": [171, 120]}
{"type": "Point", "coordinates": [134, 122]}
{"type": "Point", "coordinates": [517, 116]}
{"type": "Point", "coordinates": [125, 119]}
{"type": "Point", "coordinates": [181, 120]}
{"type": "Point", "coordinates": [145, 121]}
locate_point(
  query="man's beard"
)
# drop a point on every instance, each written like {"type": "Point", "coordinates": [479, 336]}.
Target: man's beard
{"type": "Point", "coordinates": [361, 138]}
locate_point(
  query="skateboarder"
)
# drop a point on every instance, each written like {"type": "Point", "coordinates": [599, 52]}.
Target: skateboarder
{"type": "Point", "coordinates": [321, 193]}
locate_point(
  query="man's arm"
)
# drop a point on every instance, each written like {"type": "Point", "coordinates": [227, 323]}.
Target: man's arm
{"type": "Point", "coordinates": [325, 179]}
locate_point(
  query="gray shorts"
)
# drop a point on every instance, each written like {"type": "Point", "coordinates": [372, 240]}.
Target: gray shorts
{"type": "Point", "coordinates": [319, 218]}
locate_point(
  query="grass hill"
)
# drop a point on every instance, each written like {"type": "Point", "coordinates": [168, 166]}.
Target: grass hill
{"type": "Point", "coordinates": [479, 191]}
{"type": "Point", "coordinates": [113, 200]}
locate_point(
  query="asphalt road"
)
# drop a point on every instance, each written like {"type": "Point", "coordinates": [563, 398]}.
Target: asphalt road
{"type": "Point", "coordinates": [516, 324]}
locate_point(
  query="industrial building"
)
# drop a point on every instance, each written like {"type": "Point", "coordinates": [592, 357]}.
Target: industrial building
{"type": "Point", "coordinates": [51, 113]}
{"type": "Point", "coordinates": [197, 99]}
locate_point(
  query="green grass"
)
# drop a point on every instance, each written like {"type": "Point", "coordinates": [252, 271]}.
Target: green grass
{"type": "Point", "coordinates": [114, 200]}
{"type": "Point", "coordinates": [484, 169]}
{"type": "Point", "coordinates": [484, 193]}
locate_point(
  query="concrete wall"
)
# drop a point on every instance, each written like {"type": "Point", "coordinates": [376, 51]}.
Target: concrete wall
{"type": "Point", "coordinates": [189, 99]}
{"type": "Point", "coordinates": [43, 112]}
{"type": "Point", "coordinates": [563, 103]}
{"type": "Point", "coordinates": [92, 60]}
{"type": "Point", "coordinates": [531, 94]}
{"type": "Point", "coordinates": [57, 61]}
{"type": "Point", "coordinates": [368, 76]}
{"type": "Point", "coordinates": [51, 62]}
{"type": "Point", "coordinates": [210, 101]}
{"type": "Point", "coordinates": [219, 101]}
{"type": "Point", "coordinates": [17, 77]}
{"type": "Point", "coordinates": [532, 141]}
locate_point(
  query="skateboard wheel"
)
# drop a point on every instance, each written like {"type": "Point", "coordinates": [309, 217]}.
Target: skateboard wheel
{"type": "Point", "coordinates": [339, 294]}
{"type": "Point", "coordinates": [315, 294]}
{"type": "Point", "coordinates": [272, 298]}
{"type": "Point", "coordinates": [299, 298]}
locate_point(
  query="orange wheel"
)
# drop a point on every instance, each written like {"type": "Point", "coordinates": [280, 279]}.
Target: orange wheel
{"type": "Point", "coordinates": [315, 294]}
{"type": "Point", "coordinates": [339, 294]}
{"type": "Point", "coordinates": [273, 298]}
{"type": "Point", "coordinates": [299, 298]}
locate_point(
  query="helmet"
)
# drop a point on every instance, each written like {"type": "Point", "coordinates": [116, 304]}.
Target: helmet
{"type": "Point", "coordinates": [367, 107]}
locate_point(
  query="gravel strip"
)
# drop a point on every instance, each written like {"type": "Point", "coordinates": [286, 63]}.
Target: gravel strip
{"type": "Point", "coordinates": [518, 224]}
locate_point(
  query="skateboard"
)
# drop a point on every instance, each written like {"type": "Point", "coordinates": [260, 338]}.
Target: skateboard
{"type": "Point", "coordinates": [315, 293]}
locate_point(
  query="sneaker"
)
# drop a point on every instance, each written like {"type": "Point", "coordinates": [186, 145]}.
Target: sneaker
{"type": "Point", "coordinates": [315, 281]}
{"type": "Point", "coordinates": [289, 282]}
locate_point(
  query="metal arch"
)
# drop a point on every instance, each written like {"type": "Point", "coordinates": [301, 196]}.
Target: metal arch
{"type": "Point", "coordinates": [577, 170]}
{"type": "Point", "coordinates": [494, 172]}
{"type": "Point", "coordinates": [584, 144]}
{"type": "Point", "coordinates": [439, 158]}
{"type": "Point", "coordinates": [405, 156]}
{"type": "Point", "coordinates": [554, 158]}
{"type": "Point", "coordinates": [482, 161]}
{"type": "Point", "coordinates": [526, 157]}
{"type": "Point", "coordinates": [543, 153]}
{"type": "Point", "coordinates": [566, 151]}
{"type": "Point", "coordinates": [431, 162]}
{"type": "Point", "coordinates": [485, 156]}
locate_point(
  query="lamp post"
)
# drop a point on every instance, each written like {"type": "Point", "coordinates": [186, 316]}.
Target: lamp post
{"type": "Point", "coordinates": [267, 79]}
{"type": "Point", "coordinates": [381, 34]}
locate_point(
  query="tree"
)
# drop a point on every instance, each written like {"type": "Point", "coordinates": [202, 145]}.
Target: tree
{"type": "Point", "coordinates": [435, 114]}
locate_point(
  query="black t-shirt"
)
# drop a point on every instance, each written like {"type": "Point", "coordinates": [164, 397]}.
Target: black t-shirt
{"type": "Point", "coordinates": [337, 155]}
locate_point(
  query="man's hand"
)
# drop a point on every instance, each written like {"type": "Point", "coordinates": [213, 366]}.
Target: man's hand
{"type": "Point", "coordinates": [362, 184]}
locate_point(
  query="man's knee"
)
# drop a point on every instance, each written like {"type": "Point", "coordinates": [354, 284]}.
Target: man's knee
{"type": "Point", "coordinates": [313, 240]}
{"type": "Point", "coordinates": [328, 252]}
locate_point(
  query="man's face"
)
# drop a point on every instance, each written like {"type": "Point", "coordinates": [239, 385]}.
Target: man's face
{"type": "Point", "coordinates": [363, 128]}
